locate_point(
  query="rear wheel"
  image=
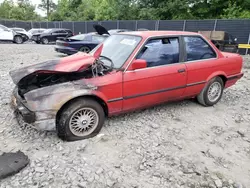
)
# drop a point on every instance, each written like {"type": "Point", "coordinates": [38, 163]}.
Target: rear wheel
{"type": "Point", "coordinates": [85, 49]}
{"type": "Point", "coordinates": [18, 39]}
{"type": "Point", "coordinates": [45, 40]}
{"type": "Point", "coordinates": [212, 92]}
{"type": "Point", "coordinates": [81, 119]}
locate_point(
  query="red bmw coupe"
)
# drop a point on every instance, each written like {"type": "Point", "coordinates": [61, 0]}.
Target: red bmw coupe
{"type": "Point", "coordinates": [128, 71]}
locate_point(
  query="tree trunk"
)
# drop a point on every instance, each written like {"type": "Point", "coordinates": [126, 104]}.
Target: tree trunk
{"type": "Point", "coordinates": [47, 7]}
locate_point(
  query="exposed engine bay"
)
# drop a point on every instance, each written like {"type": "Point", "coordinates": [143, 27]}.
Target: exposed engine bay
{"type": "Point", "coordinates": [45, 78]}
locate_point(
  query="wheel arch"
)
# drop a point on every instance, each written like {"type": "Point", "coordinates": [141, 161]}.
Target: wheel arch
{"type": "Point", "coordinates": [220, 74]}
{"type": "Point", "coordinates": [93, 97]}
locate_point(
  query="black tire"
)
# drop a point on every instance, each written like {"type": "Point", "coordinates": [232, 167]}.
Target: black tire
{"type": "Point", "coordinates": [18, 39]}
{"type": "Point", "coordinates": [85, 49]}
{"type": "Point", "coordinates": [45, 40]}
{"type": "Point", "coordinates": [203, 97]}
{"type": "Point", "coordinates": [63, 121]}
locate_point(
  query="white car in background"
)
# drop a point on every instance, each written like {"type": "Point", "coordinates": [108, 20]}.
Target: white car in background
{"type": "Point", "coordinates": [7, 34]}
{"type": "Point", "coordinates": [22, 31]}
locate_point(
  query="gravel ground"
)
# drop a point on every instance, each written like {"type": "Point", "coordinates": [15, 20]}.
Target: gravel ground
{"type": "Point", "coordinates": [175, 145]}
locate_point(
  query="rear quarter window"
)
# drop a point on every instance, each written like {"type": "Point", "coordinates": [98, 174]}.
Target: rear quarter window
{"type": "Point", "coordinates": [198, 49]}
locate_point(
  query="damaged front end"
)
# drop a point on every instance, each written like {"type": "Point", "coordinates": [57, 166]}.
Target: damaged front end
{"type": "Point", "coordinates": [42, 89]}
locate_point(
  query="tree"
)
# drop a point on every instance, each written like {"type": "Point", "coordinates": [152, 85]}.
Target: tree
{"type": "Point", "coordinates": [23, 10]}
{"type": "Point", "coordinates": [47, 5]}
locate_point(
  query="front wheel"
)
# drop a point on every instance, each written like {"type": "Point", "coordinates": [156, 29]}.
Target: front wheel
{"type": "Point", "coordinates": [18, 40]}
{"type": "Point", "coordinates": [212, 92]}
{"type": "Point", "coordinates": [80, 119]}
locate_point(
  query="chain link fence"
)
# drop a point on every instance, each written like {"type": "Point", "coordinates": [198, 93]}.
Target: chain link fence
{"type": "Point", "coordinates": [239, 28]}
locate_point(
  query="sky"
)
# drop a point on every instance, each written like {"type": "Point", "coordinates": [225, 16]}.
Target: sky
{"type": "Point", "coordinates": [36, 3]}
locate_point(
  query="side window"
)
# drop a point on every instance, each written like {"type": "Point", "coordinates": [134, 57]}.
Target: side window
{"type": "Point", "coordinates": [162, 51]}
{"type": "Point", "coordinates": [59, 31]}
{"type": "Point", "coordinates": [63, 31]}
{"type": "Point", "coordinates": [198, 49]}
{"type": "Point", "coordinates": [68, 31]}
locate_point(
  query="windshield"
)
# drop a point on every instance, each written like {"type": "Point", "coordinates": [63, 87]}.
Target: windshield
{"type": "Point", "coordinates": [118, 48]}
{"type": "Point", "coordinates": [78, 37]}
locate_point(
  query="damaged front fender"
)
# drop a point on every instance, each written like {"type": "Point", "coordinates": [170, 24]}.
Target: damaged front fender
{"type": "Point", "coordinates": [52, 98]}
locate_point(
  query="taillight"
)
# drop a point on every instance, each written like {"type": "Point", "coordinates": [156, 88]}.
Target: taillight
{"type": "Point", "coordinates": [65, 44]}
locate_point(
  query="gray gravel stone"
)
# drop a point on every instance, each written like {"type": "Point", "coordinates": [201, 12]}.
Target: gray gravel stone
{"type": "Point", "coordinates": [218, 183]}
{"type": "Point", "coordinates": [40, 169]}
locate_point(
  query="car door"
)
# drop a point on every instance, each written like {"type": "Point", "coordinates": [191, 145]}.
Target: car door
{"type": "Point", "coordinates": [62, 33]}
{"type": "Point", "coordinates": [200, 59]}
{"type": "Point", "coordinates": [163, 79]}
{"type": "Point", "coordinates": [55, 35]}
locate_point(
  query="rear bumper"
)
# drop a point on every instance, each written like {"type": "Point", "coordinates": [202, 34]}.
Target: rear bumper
{"type": "Point", "coordinates": [235, 77]}
{"type": "Point", "coordinates": [231, 80]}
{"type": "Point", "coordinates": [65, 50]}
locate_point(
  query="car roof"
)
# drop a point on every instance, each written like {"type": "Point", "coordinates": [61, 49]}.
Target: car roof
{"type": "Point", "coordinates": [146, 34]}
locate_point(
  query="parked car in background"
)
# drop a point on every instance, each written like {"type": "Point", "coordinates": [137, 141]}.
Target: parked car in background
{"type": "Point", "coordinates": [22, 31]}
{"type": "Point", "coordinates": [51, 35]}
{"type": "Point", "coordinates": [223, 40]}
{"type": "Point", "coordinates": [7, 34]}
{"type": "Point", "coordinates": [85, 42]}
{"type": "Point", "coordinates": [128, 71]}
{"type": "Point", "coordinates": [34, 31]}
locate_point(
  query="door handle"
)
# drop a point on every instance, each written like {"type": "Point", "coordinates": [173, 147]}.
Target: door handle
{"type": "Point", "coordinates": [181, 70]}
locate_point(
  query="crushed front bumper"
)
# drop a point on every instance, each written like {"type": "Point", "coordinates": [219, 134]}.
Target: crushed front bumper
{"type": "Point", "coordinates": [38, 120]}
{"type": "Point", "coordinates": [22, 110]}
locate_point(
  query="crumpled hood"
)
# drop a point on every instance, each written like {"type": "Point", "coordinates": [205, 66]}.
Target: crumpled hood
{"type": "Point", "coordinates": [73, 63]}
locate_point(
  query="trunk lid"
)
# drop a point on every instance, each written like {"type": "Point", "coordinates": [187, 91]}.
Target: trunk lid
{"type": "Point", "coordinates": [100, 30]}
{"type": "Point", "coordinates": [228, 54]}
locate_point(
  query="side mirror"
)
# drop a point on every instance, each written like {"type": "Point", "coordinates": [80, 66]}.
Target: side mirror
{"type": "Point", "coordinates": [139, 64]}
